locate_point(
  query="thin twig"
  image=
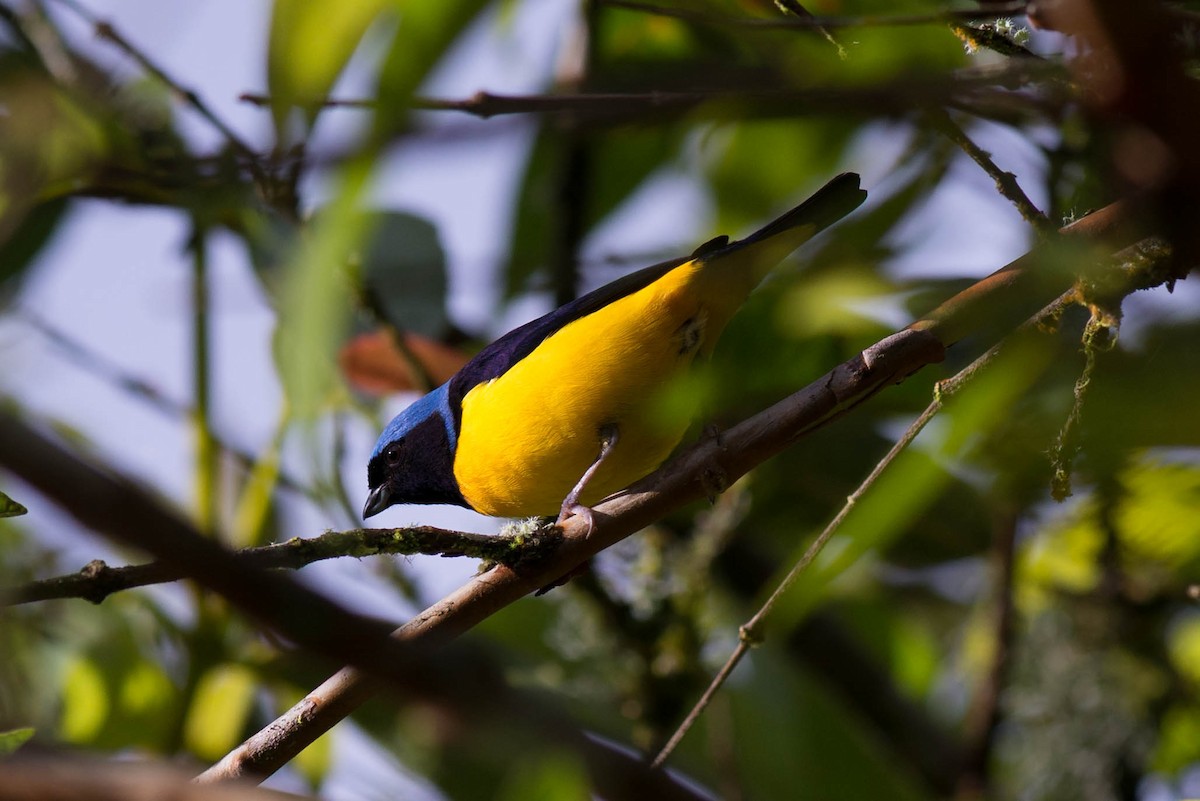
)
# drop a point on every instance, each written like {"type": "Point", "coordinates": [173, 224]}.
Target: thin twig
{"type": "Point", "coordinates": [96, 581]}
{"type": "Point", "coordinates": [795, 8]}
{"type": "Point", "coordinates": [966, 87]}
{"type": "Point", "coordinates": [812, 22]}
{"type": "Point", "coordinates": [1006, 182]}
{"type": "Point", "coordinates": [105, 30]}
{"type": "Point", "coordinates": [264, 101]}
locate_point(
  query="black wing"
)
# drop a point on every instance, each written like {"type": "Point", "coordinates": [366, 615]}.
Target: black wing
{"type": "Point", "coordinates": [826, 206]}
{"type": "Point", "coordinates": [496, 359]}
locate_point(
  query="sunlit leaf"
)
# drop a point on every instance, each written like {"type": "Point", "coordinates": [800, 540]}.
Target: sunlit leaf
{"type": "Point", "coordinates": [547, 776]}
{"type": "Point", "coordinates": [318, 296]}
{"type": "Point", "coordinates": [27, 239]}
{"type": "Point", "coordinates": [310, 43]}
{"type": "Point", "coordinates": [834, 302]}
{"type": "Point", "coordinates": [426, 30]}
{"type": "Point", "coordinates": [1184, 645]}
{"type": "Point", "coordinates": [1157, 515]}
{"type": "Point", "coordinates": [146, 695]}
{"type": "Point", "coordinates": [13, 739]}
{"type": "Point", "coordinates": [10, 508]}
{"type": "Point", "coordinates": [1179, 739]}
{"type": "Point", "coordinates": [1153, 518]}
{"type": "Point", "coordinates": [220, 705]}
{"type": "Point", "coordinates": [85, 703]}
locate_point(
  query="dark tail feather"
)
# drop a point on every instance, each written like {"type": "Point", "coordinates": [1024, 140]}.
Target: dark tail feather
{"type": "Point", "coordinates": [827, 205]}
{"type": "Point", "coordinates": [757, 254]}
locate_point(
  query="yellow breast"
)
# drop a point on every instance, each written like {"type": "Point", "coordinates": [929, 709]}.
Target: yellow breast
{"type": "Point", "coordinates": [529, 435]}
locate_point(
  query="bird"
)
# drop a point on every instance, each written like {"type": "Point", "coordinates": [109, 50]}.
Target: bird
{"type": "Point", "coordinates": [565, 410]}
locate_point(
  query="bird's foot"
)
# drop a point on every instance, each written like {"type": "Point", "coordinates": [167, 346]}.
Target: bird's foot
{"type": "Point", "coordinates": [572, 508]}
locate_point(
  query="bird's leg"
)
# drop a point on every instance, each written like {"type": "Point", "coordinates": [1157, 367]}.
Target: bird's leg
{"type": "Point", "coordinates": [609, 435]}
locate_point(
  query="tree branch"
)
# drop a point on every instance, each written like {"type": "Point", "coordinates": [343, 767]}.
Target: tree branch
{"type": "Point", "coordinates": [1011, 294]}
{"type": "Point", "coordinates": [463, 683]}
{"type": "Point", "coordinates": [96, 581]}
{"type": "Point", "coordinates": [967, 88]}
{"type": "Point", "coordinates": [62, 778]}
{"type": "Point", "coordinates": [1006, 182]}
{"type": "Point", "coordinates": [813, 22]}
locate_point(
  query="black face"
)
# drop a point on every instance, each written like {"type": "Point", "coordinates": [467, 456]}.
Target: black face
{"type": "Point", "coordinates": [418, 467]}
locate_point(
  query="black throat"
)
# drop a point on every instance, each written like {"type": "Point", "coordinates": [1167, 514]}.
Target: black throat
{"type": "Point", "coordinates": [425, 470]}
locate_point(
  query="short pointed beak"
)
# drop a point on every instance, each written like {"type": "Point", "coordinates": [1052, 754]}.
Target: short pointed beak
{"type": "Point", "coordinates": [379, 499]}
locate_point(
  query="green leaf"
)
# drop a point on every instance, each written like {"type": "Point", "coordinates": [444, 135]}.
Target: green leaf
{"type": "Point", "coordinates": [220, 706]}
{"type": "Point", "coordinates": [145, 696]}
{"type": "Point", "coordinates": [317, 295]}
{"type": "Point", "coordinates": [404, 267]}
{"type": "Point", "coordinates": [310, 44]}
{"type": "Point", "coordinates": [426, 31]}
{"type": "Point", "coordinates": [547, 776]}
{"type": "Point", "coordinates": [30, 236]}
{"type": "Point", "coordinates": [85, 702]}
{"type": "Point", "coordinates": [1179, 739]}
{"type": "Point", "coordinates": [828, 750]}
{"type": "Point", "coordinates": [11, 740]}
{"type": "Point", "coordinates": [10, 508]}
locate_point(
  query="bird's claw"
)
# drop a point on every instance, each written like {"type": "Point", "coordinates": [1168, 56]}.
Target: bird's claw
{"type": "Point", "coordinates": [572, 509]}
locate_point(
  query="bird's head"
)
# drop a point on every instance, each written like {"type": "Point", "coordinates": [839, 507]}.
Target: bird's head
{"type": "Point", "coordinates": [413, 460]}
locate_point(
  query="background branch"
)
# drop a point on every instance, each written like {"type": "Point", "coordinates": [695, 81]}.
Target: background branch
{"type": "Point", "coordinates": [972, 89]}
{"type": "Point", "coordinates": [819, 23]}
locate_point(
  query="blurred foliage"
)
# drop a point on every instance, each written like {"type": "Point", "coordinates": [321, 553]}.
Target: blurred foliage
{"type": "Point", "coordinates": [876, 664]}
{"type": "Point", "coordinates": [10, 508]}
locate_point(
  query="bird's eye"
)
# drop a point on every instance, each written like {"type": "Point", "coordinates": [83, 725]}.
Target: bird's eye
{"type": "Point", "coordinates": [392, 454]}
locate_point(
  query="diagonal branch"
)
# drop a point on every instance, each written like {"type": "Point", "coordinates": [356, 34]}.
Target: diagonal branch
{"type": "Point", "coordinates": [1005, 298]}
{"type": "Point", "coordinates": [1006, 182]}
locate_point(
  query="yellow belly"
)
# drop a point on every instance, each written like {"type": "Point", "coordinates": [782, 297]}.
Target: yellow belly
{"type": "Point", "coordinates": [528, 436]}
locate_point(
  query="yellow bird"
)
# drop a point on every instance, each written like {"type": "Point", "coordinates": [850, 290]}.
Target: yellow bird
{"type": "Point", "coordinates": [559, 413]}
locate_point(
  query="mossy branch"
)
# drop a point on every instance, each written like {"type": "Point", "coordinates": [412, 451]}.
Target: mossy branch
{"type": "Point", "coordinates": [96, 581]}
